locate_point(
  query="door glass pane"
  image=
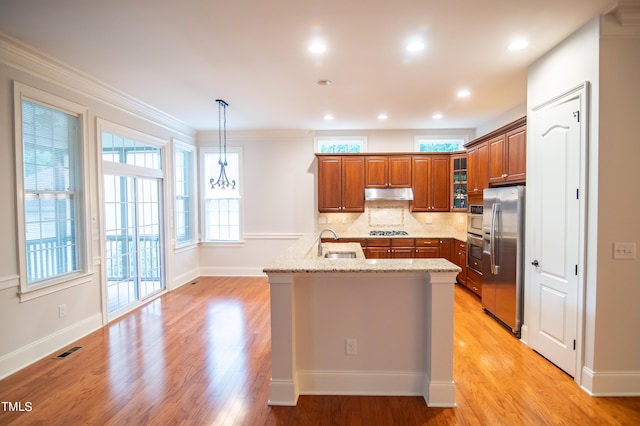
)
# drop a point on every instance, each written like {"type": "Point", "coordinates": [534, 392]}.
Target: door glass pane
{"type": "Point", "coordinates": [120, 250]}
{"type": "Point", "coordinates": [133, 244]}
{"type": "Point", "coordinates": [149, 236]}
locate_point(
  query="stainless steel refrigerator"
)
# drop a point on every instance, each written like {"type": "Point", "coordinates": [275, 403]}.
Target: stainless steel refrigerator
{"type": "Point", "coordinates": [502, 255]}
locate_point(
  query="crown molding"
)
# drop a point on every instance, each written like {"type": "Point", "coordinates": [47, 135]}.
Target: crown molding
{"type": "Point", "coordinates": [31, 61]}
{"type": "Point", "coordinates": [622, 20]}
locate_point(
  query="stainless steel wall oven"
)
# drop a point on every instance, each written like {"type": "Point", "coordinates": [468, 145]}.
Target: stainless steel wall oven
{"type": "Point", "coordinates": [474, 252]}
{"type": "Point", "coordinates": [475, 243]}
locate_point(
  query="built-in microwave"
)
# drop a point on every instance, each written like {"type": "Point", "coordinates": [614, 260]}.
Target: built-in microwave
{"type": "Point", "coordinates": [474, 219]}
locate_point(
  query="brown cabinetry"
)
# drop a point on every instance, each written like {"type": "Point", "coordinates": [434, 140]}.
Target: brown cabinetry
{"type": "Point", "coordinates": [477, 171]}
{"type": "Point", "coordinates": [427, 247]}
{"type": "Point", "coordinates": [497, 158]}
{"type": "Point", "coordinates": [460, 259]}
{"type": "Point", "coordinates": [507, 157]}
{"type": "Point", "coordinates": [403, 248]}
{"type": "Point", "coordinates": [378, 248]}
{"type": "Point", "coordinates": [340, 183]}
{"type": "Point", "coordinates": [474, 282]}
{"type": "Point", "coordinates": [430, 183]}
{"type": "Point", "coordinates": [388, 172]}
{"type": "Point", "coordinates": [459, 182]}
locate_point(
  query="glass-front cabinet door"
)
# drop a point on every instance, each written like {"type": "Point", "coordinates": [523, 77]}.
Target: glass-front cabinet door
{"type": "Point", "coordinates": [459, 182]}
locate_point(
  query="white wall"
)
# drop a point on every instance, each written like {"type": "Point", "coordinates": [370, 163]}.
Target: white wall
{"type": "Point", "coordinates": [618, 289]}
{"type": "Point", "coordinates": [32, 329]}
{"type": "Point", "coordinates": [611, 350]}
{"type": "Point", "coordinates": [503, 119]}
{"type": "Point", "coordinates": [278, 199]}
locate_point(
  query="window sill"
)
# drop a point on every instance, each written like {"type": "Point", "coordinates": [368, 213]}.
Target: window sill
{"type": "Point", "coordinates": [185, 247]}
{"type": "Point", "coordinates": [52, 288]}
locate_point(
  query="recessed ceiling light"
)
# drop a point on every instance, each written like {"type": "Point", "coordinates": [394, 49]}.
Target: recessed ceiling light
{"type": "Point", "coordinates": [317, 47]}
{"type": "Point", "coordinates": [518, 45]}
{"type": "Point", "coordinates": [328, 117]}
{"type": "Point", "coordinates": [437, 116]}
{"type": "Point", "coordinates": [463, 93]}
{"type": "Point", "coordinates": [382, 116]}
{"type": "Point", "coordinates": [415, 46]}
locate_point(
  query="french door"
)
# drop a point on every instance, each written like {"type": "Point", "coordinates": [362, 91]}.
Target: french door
{"type": "Point", "coordinates": [133, 239]}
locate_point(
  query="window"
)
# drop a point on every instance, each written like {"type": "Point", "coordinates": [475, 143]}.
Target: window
{"type": "Point", "coordinates": [52, 208]}
{"type": "Point", "coordinates": [340, 144]}
{"type": "Point", "coordinates": [183, 190]}
{"type": "Point", "coordinates": [222, 207]}
{"type": "Point", "coordinates": [433, 143]}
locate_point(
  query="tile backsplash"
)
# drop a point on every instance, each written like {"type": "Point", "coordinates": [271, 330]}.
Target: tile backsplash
{"type": "Point", "coordinates": [394, 215]}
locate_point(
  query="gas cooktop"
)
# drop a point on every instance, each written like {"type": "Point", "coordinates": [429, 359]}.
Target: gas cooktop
{"type": "Point", "coordinates": [387, 233]}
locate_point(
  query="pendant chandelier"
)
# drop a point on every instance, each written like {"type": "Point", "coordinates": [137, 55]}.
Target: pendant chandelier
{"type": "Point", "coordinates": [223, 181]}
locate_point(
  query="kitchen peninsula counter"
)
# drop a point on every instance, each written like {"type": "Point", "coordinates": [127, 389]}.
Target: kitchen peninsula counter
{"type": "Point", "coordinates": [395, 314]}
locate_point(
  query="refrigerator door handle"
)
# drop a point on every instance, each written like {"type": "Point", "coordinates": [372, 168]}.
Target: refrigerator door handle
{"type": "Point", "coordinates": [495, 268]}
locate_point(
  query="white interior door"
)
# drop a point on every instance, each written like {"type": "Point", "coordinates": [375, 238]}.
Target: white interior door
{"type": "Point", "coordinates": [553, 226]}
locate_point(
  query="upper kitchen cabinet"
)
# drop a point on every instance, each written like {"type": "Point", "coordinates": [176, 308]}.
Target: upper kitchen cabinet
{"type": "Point", "coordinates": [388, 171]}
{"type": "Point", "coordinates": [431, 189]}
{"type": "Point", "coordinates": [340, 183]}
{"type": "Point", "coordinates": [459, 182]}
{"type": "Point", "coordinates": [497, 158]}
{"type": "Point", "coordinates": [507, 157]}
{"type": "Point", "coordinates": [477, 171]}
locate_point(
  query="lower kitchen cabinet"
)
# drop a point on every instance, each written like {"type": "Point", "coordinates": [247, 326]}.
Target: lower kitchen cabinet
{"type": "Point", "coordinates": [460, 259]}
{"type": "Point", "coordinates": [378, 248]}
{"type": "Point", "coordinates": [474, 281]}
{"type": "Point", "coordinates": [427, 247]}
{"type": "Point", "coordinates": [403, 248]}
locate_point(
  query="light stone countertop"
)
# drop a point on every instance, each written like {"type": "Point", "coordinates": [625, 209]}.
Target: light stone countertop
{"type": "Point", "coordinates": [302, 257]}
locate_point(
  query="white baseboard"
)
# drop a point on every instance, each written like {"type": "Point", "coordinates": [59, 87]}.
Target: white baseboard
{"type": "Point", "coordinates": [440, 394]}
{"type": "Point", "coordinates": [182, 279]}
{"type": "Point", "coordinates": [376, 383]}
{"type": "Point", "coordinates": [610, 383]}
{"type": "Point", "coordinates": [18, 359]}
{"type": "Point", "coordinates": [282, 392]}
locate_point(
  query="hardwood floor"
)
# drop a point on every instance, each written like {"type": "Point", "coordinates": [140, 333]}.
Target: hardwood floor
{"type": "Point", "coordinates": [200, 355]}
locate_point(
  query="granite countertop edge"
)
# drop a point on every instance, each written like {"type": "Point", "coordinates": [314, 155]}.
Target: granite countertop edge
{"type": "Point", "coordinates": [302, 257]}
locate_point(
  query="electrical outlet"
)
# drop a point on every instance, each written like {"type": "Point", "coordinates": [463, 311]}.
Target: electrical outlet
{"type": "Point", "coordinates": [322, 220]}
{"type": "Point", "coordinates": [62, 311]}
{"type": "Point", "coordinates": [429, 219]}
{"type": "Point", "coordinates": [352, 347]}
{"type": "Point", "coordinates": [624, 250]}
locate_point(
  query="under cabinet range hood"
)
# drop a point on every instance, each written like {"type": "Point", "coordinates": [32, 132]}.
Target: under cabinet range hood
{"type": "Point", "coordinates": [393, 194]}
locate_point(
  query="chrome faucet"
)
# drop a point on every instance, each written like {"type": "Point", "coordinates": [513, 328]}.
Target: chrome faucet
{"type": "Point", "coordinates": [335, 237]}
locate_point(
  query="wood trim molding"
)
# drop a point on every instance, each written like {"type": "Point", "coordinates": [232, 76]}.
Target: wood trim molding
{"type": "Point", "coordinates": [504, 129]}
{"type": "Point", "coordinates": [29, 60]}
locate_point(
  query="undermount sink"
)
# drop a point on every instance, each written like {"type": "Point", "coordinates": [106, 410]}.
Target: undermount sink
{"type": "Point", "coordinates": [340, 255]}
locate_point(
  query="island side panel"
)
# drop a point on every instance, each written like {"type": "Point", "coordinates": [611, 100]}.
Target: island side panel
{"type": "Point", "coordinates": [283, 388]}
{"type": "Point", "coordinates": [384, 312]}
{"type": "Point", "coordinates": [439, 387]}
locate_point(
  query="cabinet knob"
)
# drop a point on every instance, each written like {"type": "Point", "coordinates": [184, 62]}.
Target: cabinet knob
{"type": "Point", "coordinates": [504, 175]}
{"type": "Point", "coordinates": [535, 263]}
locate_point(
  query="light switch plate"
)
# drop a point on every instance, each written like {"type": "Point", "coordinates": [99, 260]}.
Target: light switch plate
{"type": "Point", "coordinates": [624, 250]}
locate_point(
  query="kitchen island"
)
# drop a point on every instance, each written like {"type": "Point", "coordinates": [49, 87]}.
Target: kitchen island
{"type": "Point", "coordinates": [356, 326]}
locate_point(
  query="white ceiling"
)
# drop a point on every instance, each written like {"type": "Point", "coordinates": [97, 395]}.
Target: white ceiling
{"type": "Point", "coordinates": [179, 56]}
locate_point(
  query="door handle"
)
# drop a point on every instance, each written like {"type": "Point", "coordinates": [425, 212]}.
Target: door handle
{"type": "Point", "coordinates": [535, 263]}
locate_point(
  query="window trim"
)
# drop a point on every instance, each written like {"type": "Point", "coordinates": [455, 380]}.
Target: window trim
{"type": "Point", "coordinates": [204, 181]}
{"type": "Point", "coordinates": [85, 258]}
{"type": "Point", "coordinates": [193, 195]}
{"type": "Point", "coordinates": [418, 138]}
